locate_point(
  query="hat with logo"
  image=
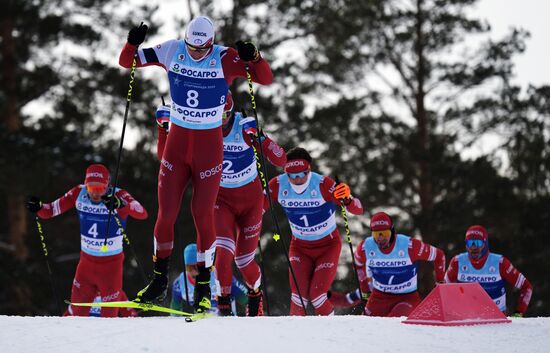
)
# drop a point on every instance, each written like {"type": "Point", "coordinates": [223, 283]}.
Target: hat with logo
{"type": "Point", "coordinates": [380, 221]}
{"type": "Point", "coordinates": [190, 254]}
{"type": "Point", "coordinates": [296, 166]}
{"type": "Point", "coordinates": [200, 32]}
{"type": "Point", "coordinates": [477, 232]}
{"type": "Point", "coordinates": [97, 173]}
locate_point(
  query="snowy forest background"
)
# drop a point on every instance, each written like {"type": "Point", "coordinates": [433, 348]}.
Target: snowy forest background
{"type": "Point", "coordinates": [399, 98]}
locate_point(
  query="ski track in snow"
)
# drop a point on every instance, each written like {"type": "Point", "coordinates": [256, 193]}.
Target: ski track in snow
{"type": "Point", "coordinates": [266, 335]}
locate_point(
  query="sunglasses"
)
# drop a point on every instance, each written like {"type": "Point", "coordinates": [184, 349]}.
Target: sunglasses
{"type": "Point", "coordinates": [296, 175]}
{"type": "Point", "coordinates": [99, 189]}
{"type": "Point", "coordinates": [478, 243]}
{"type": "Point", "coordinates": [381, 233]}
{"type": "Point", "coordinates": [197, 49]}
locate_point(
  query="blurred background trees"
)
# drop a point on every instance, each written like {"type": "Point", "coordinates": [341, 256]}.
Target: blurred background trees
{"type": "Point", "coordinates": [398, 98]}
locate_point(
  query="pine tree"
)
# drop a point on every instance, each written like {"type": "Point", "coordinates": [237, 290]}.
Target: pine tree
{"type": "Point", "coordinates": [62, 94]}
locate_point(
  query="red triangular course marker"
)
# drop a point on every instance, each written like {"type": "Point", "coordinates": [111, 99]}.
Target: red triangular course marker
{"type": "Point", "coordinates": [457, 304]}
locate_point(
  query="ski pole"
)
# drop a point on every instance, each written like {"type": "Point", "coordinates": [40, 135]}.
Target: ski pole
{"type": "Point", "coordinates": [50, 273]}
{"type": "Point", "coordinates": [128, 101]}
{"type": "Point", "coordinates": [127, 241]}
{"type": "Point", "coordinates": [348, 239]}
{"type": "Point", "coordinates": [262, 268]}
{"type": "Point", "coordinates": [263, 177]}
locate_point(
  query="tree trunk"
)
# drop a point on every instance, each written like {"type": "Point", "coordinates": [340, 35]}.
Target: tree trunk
{"type": "Point", "coordinates": [425, 222]}
{"type": "Point", "coordinates": [17, 221]}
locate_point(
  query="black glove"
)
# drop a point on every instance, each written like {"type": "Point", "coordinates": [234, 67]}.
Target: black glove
{"type": "Point", "coordinates": [247, 51]}
{"type": "Point", "coordinates": [33, 204]}
{"type": "Point", "coordinates": [136, 36]}
{"type": "Point", "coordinates": [112, 203]}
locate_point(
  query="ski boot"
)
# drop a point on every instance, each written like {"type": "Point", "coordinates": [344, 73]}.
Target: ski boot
{"type": "Point", "coordinates": [156, 289]}
{"type": "Point", "coordinates": [202, 291]}
{"type": "Point", "coordinates": [255, 306]}
{"type": "Point", "coordinates": [224, 305]}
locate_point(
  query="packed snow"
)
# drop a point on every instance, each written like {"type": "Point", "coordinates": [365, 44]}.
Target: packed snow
{"type": "Point", "coordinates": [335, 334]}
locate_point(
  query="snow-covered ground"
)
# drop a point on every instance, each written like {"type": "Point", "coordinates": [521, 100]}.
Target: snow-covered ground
{"type": "Point", "coordinates": [345, 334]}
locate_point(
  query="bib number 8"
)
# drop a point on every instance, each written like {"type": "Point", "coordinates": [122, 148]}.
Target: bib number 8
{"type": "Point", "coordinates": [192, 98]}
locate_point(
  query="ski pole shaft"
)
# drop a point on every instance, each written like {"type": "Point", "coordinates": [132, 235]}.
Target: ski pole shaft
{"type": "Point", "coordinates": [128, 101]}
{"type": "Point", "coordinates": [127, 241]}
{"type": "Point", "coordinates": [264, 177]}
{"type": "Point", "coordinates": [50, 272]}
{"type": "Point", "coordinates": [262, 268]}
{"type": "Point", "coordinates": [348, 240]}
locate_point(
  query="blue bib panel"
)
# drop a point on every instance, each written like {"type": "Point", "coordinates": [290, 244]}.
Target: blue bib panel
{"type": "Point", "coordinates": [488, 277]}
{"type": "Point", "coordinates": [309, 215]}
{"type": "Point", "coordinates": [197, 88]}
{"type": "Point", "coordinates": [239, 162]}
{"type": "Point", "coordinates": [394, 272]}
{"type": "Point", "coordinates": [93, 226]}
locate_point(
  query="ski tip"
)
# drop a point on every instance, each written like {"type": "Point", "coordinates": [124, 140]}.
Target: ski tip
{"type": "Point", "coordinates": [198, 316]}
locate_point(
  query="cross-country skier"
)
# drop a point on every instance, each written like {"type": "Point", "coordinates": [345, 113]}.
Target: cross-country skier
{"type": "Point", "coordinates": [490, 270]}
{"type": "Point", "coordinates": [239, 205]}
{"type": "Point", "coordinates": [182, 288]}
{"type": "Point", "coordinates": [309, 201]}
{"type": "Point", "coordinates": [390, 260]}
{"type": "Point", "coordinates": [199, 73]}
{"type": "Point", "coordinates": [97, 271]}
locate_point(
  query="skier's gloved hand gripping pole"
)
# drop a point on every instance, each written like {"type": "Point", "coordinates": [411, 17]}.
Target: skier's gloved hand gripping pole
{"type": "Point", "coordinates": [264, 176]}
{"type": "Point", "coordinates": [136, 36]}
{"type": "Point", "coordinates": [34, 204]}
{"type": "Point", "coordinates": [342, 192]}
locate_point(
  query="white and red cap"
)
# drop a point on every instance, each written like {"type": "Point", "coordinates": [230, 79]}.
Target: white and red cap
{"type": "Point", "coordinates": [97, 173]}
{"type": "Point", "coordinates": [477, 232]}
{"type": "Point", "coordinates": [296, 166]}
{"type": "Point", "coordinates": [380, 221]}
{"type": "Point", "coordinates": [200, 32]}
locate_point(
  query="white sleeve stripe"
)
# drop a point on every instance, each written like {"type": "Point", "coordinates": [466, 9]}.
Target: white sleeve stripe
{"type": "Point", "coordinates": [520, 281]}
{"type": "Point", "coordinates": [56, 208]}
{"type": "Point", "coordinates": [433, 253]}
{"type": "Point", "coordinates": [141, 56]}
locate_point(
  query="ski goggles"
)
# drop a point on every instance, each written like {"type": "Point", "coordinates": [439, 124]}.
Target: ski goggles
{"type": "Point", "coordinates": [381, 233]}
{"type": "Point", "coordinates": [297, 175]}
{"type": "Point", "coordinates": [198, 49]}
{"type": "Point", "coordinates": [96, 188]}
{"type": "Point", "coordinates": [478, 243]}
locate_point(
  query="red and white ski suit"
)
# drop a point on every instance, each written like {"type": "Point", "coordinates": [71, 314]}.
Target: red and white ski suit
{"type": "Point", "coordinates": [192, 154]}
{"type": "Point", "coordinates": [97, 272]}
{"type": "Point", "coordinates": [391, 304]}
{"type": "Point", "coordinates": [314, 261]}
{"type": "Point", "coordinates": [507, 271]}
